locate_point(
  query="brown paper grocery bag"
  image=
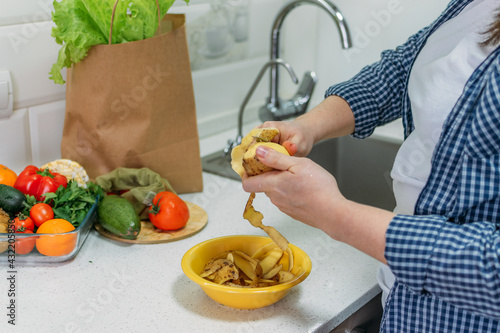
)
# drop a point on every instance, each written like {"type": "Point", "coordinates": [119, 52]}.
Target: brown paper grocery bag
{"type": "Point", "coordinates": [132, 105]}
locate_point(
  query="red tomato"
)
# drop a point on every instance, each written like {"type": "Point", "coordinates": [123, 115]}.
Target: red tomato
{"type": "Point", "coordinates": [41, 212]}
{"type": "Point", "coordinates": [24, 245]}
{"type": "Point", "coordinates": [168, 211]}
{"type": "Point", "coordinates": [22, 223]}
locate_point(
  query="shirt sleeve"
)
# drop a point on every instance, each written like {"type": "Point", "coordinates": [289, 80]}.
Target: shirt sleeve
{"type": "Point", "coordinates": [376, 93]}
{"type": "Point", "coordinates": [459, 263]}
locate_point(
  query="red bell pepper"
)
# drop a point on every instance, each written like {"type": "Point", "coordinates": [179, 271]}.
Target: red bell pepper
{"type": "Point", "coordinates": [36, 182]}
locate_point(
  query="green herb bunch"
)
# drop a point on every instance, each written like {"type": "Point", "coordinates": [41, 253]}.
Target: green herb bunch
{"type": "Point", "coordinates": [72, 202]}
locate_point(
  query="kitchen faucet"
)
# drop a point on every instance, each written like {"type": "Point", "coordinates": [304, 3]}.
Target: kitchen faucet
{"type": "Point", "coordinates": [276, 109]}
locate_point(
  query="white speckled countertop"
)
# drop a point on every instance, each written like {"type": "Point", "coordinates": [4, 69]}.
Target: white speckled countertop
{"type": "Point", "coordinates": [112, 286]}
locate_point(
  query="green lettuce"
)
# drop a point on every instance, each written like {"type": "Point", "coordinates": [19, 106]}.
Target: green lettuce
{"type": "Point", "coordinates": [81, 24]}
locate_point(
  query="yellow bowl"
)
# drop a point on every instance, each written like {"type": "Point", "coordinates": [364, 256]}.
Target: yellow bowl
{"type": "Point", "coordinates": [195, 259]}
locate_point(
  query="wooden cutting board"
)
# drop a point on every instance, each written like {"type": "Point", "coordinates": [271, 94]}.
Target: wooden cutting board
{"type": "Point", "coordinates": [198, 219]}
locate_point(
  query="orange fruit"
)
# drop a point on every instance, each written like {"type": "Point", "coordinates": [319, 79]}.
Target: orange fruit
{"type": "Point", "coordinates": [56, 245]}
{"type": "Point", "coordinates": [7, 176]}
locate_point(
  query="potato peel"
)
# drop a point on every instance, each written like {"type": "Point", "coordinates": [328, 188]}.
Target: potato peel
{"type": "Point", "coordinates": [264, 249]}
{"type": "Point", "coordinates": [247, 257]}
{"type": "Point", "coordinates": [220, 271]}
{"type": "Point", "coordinates": [290, 259]}
{"type": "Point", "coordinates": [275, 270]}
{"type": "Point", "coordinates": [255, 219]}
{"type": "Point", "coordinates": [271, 260]}
{"type": "Point", "coordinates": [226, 272]}
{"type": "Point", "coordinates": [245, 266]}
{"type": "Point", "coordinates": [261, 136]}
{"type": "Point", "coordinates": [239, 269]}
{"type": "Point", "coordinates": [210, 268]}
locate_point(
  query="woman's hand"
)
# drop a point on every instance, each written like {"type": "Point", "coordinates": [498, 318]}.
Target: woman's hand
{"type": "Point", "coordinates": [331, 118]}
{"type": "Point", "coordinates": [293, 136]}
{"type": "Point", "coordinates": [305, 191]}
{"type": "Point", "coordinates": [302, 190]}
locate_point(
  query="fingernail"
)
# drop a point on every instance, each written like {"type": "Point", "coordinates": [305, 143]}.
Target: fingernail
{"type": "Point", "coordinates": [261, 152]}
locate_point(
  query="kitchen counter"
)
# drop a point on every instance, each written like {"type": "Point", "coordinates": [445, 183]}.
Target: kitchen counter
{"type": "Point", "coordinates": [113, 286]}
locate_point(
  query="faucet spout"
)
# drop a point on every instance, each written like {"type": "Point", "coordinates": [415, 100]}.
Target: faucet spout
{"type": "Point", "coordinates": [328, 6]}
{"type": "Point", "coordinates": [274, 102]}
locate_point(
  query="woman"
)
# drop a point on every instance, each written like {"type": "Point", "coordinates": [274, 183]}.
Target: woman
{"type": "Point", "coordinates": [442, 242]}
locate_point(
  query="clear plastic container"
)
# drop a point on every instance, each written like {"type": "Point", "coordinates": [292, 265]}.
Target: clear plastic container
{"type": "Point", "coordinates": [66, 245]}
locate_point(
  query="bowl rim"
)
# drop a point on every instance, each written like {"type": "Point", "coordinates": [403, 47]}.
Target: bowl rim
{"type": "Point", "coordinates": [276, 288]}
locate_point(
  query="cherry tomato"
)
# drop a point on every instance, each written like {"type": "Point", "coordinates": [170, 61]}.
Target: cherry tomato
{"type": "Point", "coordinates": [168, 211]}
{"type": "Point", "coordinates": [22, 223]}
{"type": "Point", "coordinates": [40, 213]}
{"type": "Point", "coordinates": [24, 245]}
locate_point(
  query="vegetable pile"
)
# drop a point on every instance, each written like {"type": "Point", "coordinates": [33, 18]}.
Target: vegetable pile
{"type": "Point", "coordinates": [43, 201]}
{"type": "Point", "coordinates": [38, 198]}
{"type": "Point", "coordinates": [167, 212]}
{"type": "Point", "coordinates": [81, 24]}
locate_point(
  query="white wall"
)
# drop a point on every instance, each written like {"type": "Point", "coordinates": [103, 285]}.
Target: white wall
{"type": "Point", "coordinates": [310, 42]}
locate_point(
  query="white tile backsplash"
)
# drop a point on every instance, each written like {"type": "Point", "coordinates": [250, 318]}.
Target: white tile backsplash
{"type": "Point", "coordinates": [15, 150]}
{"type": "Point", "coordinates": [28, 52]}
{"type": "Point", "coordinates": [46, 127]}
{"type": "Point", "coordinates": [25, 11]}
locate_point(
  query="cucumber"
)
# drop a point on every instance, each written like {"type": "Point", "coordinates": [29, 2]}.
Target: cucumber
{"type": "Point", "coordinates": [11, 199]}
{"type": "Point", "coordinates": [117, 215]}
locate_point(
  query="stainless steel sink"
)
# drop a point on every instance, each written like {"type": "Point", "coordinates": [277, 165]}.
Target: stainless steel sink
{"type": "Point", "coordinates": [361, 167]}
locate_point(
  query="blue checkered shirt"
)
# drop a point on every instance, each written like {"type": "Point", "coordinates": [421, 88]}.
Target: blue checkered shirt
{"type": "Point", "coordinates": [446, 257]}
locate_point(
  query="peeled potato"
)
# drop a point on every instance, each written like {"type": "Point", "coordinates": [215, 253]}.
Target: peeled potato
{"type": "Point", "coordinates": [251, 163]}
{"type": "Point", "coordinates": [264, 134]}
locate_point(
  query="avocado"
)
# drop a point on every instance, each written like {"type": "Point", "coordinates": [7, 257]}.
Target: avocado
{"type": "Point", "coordinates": [117, 215]}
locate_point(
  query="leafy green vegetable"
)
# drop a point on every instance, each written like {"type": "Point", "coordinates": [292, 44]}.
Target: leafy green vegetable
{"type": "Point", "coordinates": [81, 24]}
{"type": "Point", "coordinates": [72, 202]}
